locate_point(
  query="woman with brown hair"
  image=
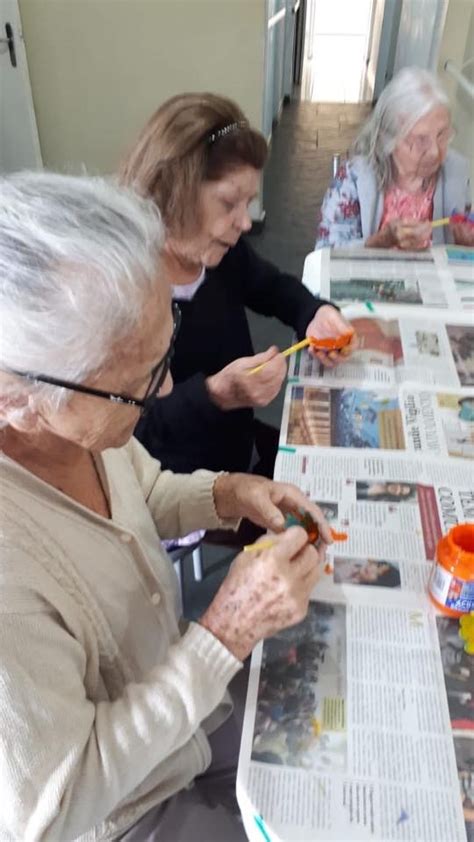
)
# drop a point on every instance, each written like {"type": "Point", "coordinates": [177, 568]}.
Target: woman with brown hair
{"type": "Point", "coordinates": [201, 161]}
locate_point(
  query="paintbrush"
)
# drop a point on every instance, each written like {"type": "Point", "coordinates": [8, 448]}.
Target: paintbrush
{"type": "Point", "coordinates": [318, 345]}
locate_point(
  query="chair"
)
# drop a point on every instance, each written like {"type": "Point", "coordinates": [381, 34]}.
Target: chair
{"type": "Point", "coordinates": [179, 549]}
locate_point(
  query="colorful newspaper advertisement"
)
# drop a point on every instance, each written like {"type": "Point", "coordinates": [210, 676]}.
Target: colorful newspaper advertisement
{"type": "Point", "coordinates": [428, 421]}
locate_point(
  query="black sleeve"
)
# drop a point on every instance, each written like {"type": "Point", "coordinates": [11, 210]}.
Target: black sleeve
{"type": "Point", "coordinates": [187, 412]}
{"type": "Point", "coordinates": [186, 431]}
{"type": "Point", "coordinates": [270, 292]}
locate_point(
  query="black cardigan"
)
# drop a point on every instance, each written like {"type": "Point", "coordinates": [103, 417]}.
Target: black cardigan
{"type": "Point", "coordinates": [185, 430]}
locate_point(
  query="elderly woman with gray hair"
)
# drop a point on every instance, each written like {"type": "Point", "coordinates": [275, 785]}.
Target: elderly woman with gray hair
{"type": "Point", "coordinates": [402, 174]}
{"type": "Point", "coordinates": [108, 705]}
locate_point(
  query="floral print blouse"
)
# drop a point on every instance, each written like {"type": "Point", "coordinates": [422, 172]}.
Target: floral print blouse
{"type": "Point", "coordinates": [399, 204]}
{"type": "Point", "coordinates": [340, 212]}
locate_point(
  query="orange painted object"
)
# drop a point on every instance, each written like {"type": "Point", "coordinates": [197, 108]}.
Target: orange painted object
{"type": "Point", "coordinates": [331, 343]}
{"type": "Point", "coordinates": [304, 519]}
{"type": "Point", "coordinates": [451, 585]}
{"type": "Point", "coordinates": [339, 536]}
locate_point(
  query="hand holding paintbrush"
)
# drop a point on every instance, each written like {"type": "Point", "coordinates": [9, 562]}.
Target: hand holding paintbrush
{"type": "Point", "coordinates": [343, 344]}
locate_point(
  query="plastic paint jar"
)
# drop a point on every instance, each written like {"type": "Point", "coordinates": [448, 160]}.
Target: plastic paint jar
{"type": "Point", "coordinates": [451, 585]}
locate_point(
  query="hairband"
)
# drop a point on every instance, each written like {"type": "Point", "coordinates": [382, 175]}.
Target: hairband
{"type": "Point", "coordinates": [230, 129]}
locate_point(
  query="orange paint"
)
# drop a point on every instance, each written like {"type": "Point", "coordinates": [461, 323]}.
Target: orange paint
{"type": "Point", "coordinates": [451, 585]}
{"type": "Point", "coordinates": [331, 343]}
{"type": "Point", "coordinates": [339, 536]}
{"type": "Point", "coordinates": [304, 519]}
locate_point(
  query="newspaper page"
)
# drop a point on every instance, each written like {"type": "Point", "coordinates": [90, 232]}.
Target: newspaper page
{"type": "Point", "coordinates": [393, 508]}
{"type": "Point", "coordinates": [348, 732]}
{"type": "Point", "coordinates": [389, 276]}
{"type": "Point", "coordinates": [429, 347]}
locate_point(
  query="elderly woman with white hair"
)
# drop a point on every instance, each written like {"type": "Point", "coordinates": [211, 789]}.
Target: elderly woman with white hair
{"type": "Point", "coordinates": [402, 175]}
{"type": "Point", "coordinates": [108, 706]}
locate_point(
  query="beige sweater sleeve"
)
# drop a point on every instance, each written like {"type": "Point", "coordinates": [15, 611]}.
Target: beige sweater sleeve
{"type": "Point", "coordinates": [179, 503]}
{"type": "Point", "coordinates": [65, 762]}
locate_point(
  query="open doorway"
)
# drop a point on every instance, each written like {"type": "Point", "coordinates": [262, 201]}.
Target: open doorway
{"type": "Point", "coordinates": [341, 48]}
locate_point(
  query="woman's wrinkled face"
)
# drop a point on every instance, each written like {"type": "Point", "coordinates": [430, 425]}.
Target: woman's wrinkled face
{"type": "Point", "coordinates": [97, 424]}
{"type": "Point", "coordinates": [224, 213]}
{"type": "Point", "coordinates": [422, 151]}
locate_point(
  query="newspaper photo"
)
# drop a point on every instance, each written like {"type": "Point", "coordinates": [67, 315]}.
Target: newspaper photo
{"type": "Point", "coordinates": [458, 669]}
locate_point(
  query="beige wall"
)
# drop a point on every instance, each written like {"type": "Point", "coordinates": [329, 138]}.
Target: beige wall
{"type": "Point", "coordinates": [458, 45]}
{"type": "Point", "coordinates": [99, 68]}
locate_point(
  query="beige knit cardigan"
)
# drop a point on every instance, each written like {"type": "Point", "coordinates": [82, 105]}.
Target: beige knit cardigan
{"type": "Point", "coordinates": [102, 698]}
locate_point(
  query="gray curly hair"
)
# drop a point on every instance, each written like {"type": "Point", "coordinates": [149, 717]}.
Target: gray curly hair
{"type": "Point", "coordinates": [410, 95]}
{"type": "Point", "coordinates": [78, 258]}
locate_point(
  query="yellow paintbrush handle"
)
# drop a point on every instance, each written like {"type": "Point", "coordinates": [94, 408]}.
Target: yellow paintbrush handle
{"type": "Point", "coordinates": [291, 350]}
{"type": "Point", "coordinates": [437, 223]}
{"type": "Point", "coordinates": [296, 347]}
{"type": "Point", "coordinates": [260, 545]}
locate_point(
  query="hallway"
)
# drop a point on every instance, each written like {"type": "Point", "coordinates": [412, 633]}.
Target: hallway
{"type": "Point", "coordinates": [298, 173]}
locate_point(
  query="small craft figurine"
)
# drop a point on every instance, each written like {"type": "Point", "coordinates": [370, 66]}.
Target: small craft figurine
{"type": "Point", "coordinates": [298, 518]}
{"type": "Point", "coordinates": [336, 343]}
{"type": "Point", "coordinates": [304, 519]}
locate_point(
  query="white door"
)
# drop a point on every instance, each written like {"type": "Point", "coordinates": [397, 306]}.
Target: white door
{"type": "Point", "coordinates": [19, 143]}
{"type": "Point", "coordinates": [378, 8]}
{"type": "Point", "coordinates": [337, 35]}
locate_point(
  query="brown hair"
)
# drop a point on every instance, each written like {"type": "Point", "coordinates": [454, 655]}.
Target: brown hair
{"type": "Point", "coordinates": [175, 153]}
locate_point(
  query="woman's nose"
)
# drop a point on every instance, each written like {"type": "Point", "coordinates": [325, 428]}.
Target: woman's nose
{"type": "Point", "coordinates": [245, 222]}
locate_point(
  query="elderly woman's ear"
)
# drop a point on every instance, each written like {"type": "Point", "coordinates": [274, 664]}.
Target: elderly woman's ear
{"type": "Point", "coordinates": [17, 407]}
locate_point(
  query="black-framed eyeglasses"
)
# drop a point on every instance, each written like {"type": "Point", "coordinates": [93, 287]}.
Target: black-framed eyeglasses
{"type": "Point", "coordinates": [157, 378]}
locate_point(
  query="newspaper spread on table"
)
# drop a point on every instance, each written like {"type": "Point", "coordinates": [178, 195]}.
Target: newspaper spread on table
{"type": "Point", "coordinates": [441, 277]}
{"type": "Point", "coordinates": [359, 721]}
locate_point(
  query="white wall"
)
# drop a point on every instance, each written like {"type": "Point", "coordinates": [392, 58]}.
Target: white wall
{"type": "Point", "coordinates": [421, 27]}
{"type": "Point", "coordinates": [458, 45]}
{"type": "Point", "coordinates": [99, 68]}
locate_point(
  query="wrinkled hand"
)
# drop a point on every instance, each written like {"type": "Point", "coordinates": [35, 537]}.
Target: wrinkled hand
{"type": "Point", "coordinates": [409, 235]}
{"type": "Point", "coordinates": [263, 501]}
{"type": "Point", "coordinates": [233, 387]}
{"type": "Point", "coordinates": [330, 323]}
{"type": "Point", "coordinates": [463, 233]}
{"type": "Point", "coordinates": [264, 592]}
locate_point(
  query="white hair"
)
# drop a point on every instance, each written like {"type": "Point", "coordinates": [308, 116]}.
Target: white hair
{"type": "Point", "coordinates": [410, 95]}
{"type": "Point", "coordinates": [78, 259]}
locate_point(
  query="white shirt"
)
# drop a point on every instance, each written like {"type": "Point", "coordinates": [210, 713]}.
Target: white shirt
{"type": "Point", "coordinates": [185, 292]}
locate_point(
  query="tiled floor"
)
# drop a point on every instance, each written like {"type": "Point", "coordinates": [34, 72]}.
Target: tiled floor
{"type": "Point", "coordinates": [297, 175]}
